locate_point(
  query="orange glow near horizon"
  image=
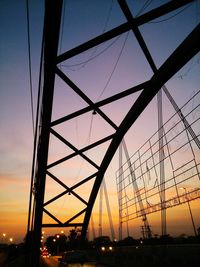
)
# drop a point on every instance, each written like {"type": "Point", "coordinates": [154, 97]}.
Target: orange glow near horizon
{"type": "Point", "coordinates": [178, 222]}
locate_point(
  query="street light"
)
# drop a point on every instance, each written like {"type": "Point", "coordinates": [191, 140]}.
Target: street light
{"type": "Point", "coordinates": [11, 239]}
{"type": "Point", "coordinates": [188, 202]}
{"type": "Point", "coordinates": [3, 237]}
{"type": "Point", "coordinates": [57, 242]}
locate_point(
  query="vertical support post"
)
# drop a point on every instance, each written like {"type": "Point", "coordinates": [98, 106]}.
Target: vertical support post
{"type": "Point", "coordinates": [109, 211]}
{"type": "Point", "coordinates": [162, 166]}
{"type": "Point", "coordinates": [53, 10]}
{"type": "Point", "coordinates": [120, 191]}
{"type": "Point", "coordinates": [93, 229]}
{"type": "Point", "coordinates": [100, 209]}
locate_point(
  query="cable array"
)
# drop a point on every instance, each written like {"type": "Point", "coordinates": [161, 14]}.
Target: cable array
{"type": "Point", "coordinates": [145, 163]}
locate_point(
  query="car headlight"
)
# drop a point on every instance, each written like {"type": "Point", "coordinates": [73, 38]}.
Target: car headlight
{"type": "Point", "coordinates": [103, 248]}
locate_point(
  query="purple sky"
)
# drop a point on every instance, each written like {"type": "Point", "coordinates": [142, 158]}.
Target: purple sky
{"type": "Point", "coordinates": [83, 20]}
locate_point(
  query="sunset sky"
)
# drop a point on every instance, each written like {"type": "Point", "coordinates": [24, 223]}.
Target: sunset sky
{"type": "Point", "coordinates": [100, 72]}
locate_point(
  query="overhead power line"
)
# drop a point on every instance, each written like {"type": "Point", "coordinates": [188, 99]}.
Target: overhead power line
{"type": "Point", "coordinates": [93, 55]}
{"type": "Point", "coordinates": [163, 20]}
{"type": "Point", "coordinates": [115, 66]}
{"type": "Point", "coordinates": [91, 58]}
{"type": "Point", "coordinates": [148, 2]}
{"type": "Point", "coordinates": [29, 62]}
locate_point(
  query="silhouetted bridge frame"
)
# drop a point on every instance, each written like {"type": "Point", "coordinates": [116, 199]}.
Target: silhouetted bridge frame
{"type": "Point", "coordinates": [182, 54]}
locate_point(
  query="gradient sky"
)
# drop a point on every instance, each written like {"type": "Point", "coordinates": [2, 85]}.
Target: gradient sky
{"type": "Point", "coordinates": [84, 20]}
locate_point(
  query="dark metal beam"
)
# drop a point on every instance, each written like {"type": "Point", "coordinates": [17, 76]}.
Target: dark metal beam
{"type": "Point", "coordinates": [70, 189]}
{"type": "Point", "coordinates": [93, 42]}
{"type": "Point", "coordinates": [75, 216]}
{"type": "Point", "coordinates": [78, 152]}
{"type": "Point", "coordinates": [53, 10]}
{"type": "Point", "coordinates": [102, 103]}
{"type": "Point", "coordinates": [84, 97]}
{"type": "Point", "coordinates": [188, 49]}
{"type": "Point", "coordinates": [95, 144]}
{"type": "Point", "coordinates": [51, 216]}
{"type": "Point", "coordinates": [137, 33]}
{"type": "Point", "coordinates": [52, 225]}
{"type": "Point", "coordinates": [153, 14]}
{"type": "Point", "coordinates": [58, 181]}
{"type": "Point", "coordinates": [161, 10]}
{"type": "Point", "coordinates": [68, 221]}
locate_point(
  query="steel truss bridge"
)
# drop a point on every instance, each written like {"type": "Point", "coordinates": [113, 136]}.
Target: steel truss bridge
{"type": "Point", "coordinates": [46, 128]}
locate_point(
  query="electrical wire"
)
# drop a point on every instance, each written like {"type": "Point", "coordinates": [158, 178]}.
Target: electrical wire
{"type": "Point", "coordinates": [110, 45]}
{"type": "Point", "coordinates": [112, 72]}
{"type": "Point", "coordinates": [197, 11]}
{"type": "Point", "coordinates": [115, 66]}
{"type": "Point", "coordinates": [108, 81]}
{"type": "Point", "coordinates": [82, 65]}
{"type": "Point", "coordinates": [163, 20]}
{"type": "Point", "coordinates": [104, 29]}
{"type": "Point", "coordinates": [29, 62]}
{"type": "Point", "coordinates": [108, 16]}
{"type": "Point", "coordinates": [62, 29]}
{"type": "Point", "coordinates": [192, 65]}
{"type": "Point", "coordinates": [90, 59]}
{"type": "Point", "coordinates": [148, 2]}
{"type": "Point", "coordinates": [36, 134]}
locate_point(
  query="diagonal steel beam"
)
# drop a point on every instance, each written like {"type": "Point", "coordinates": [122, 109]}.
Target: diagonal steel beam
{"type": "Point", "coordinates": [53, 217]}
{"type": "Point", "coordinates": [153, 14]}
{"type": "Point", "coordinates": [70, 189]}
{"type": "Point", "coordinates": [78, 152]}
{"type": "Point", "coordinates": [75, 216]}
{"type": "Point", "coordinates": [84, 97]}
{"type": "Point", "coordinates": [53, 164]}
{"type": "Point", "coordinates": [137, 33]}
{"type": "Point", "coordinates": [101, 103]}
{"type": "Point", "coordinates": [161, 10]}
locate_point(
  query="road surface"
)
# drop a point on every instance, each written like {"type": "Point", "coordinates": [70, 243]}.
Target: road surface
{"type": "Point", "coordinates": [53, 262]}
{"type": "Point", "coordinates": [50, 262]}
